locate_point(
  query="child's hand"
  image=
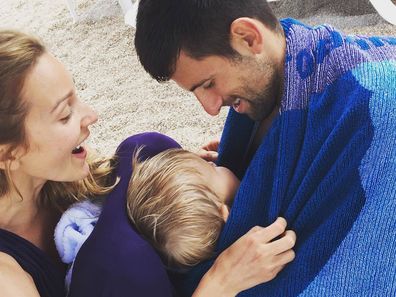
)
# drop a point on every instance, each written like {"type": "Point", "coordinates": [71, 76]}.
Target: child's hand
{"type": "Point", "coordinates": [209, 151]}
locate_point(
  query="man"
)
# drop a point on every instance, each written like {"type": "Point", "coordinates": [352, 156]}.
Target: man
{"type": "Point", "coordinates": [311, 133]}
{"type": "Point", "coordinates": [245, 73]}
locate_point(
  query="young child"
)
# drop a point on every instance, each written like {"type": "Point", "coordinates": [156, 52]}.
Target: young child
{"type": "Point", "coordinates": [180, 202]}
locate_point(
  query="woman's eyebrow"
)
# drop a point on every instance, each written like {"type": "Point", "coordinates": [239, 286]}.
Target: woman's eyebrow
{"type": "Point", "coordinates": [61, 100]}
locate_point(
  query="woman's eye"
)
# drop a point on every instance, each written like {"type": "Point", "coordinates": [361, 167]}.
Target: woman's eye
{"type": "Point", "coordinates": [66, 118]}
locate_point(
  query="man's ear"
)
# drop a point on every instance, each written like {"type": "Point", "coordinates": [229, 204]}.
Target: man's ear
{"type": "Point", "coordinates": [246, 36]}
{"type": "Point", "coordinates": [224, 211]}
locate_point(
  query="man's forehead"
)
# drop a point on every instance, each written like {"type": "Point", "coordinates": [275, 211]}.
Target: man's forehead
{"type": "Point", "coordinates": [184, 63]}
{"type": "Point", "coordinates": [190, 72]}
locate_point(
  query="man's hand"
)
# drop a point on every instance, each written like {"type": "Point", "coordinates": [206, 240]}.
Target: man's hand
{"type": "Point", "coordinates": [209, 151]}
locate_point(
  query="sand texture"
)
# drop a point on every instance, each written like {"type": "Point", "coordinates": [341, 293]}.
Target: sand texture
{"type": "Point", "coordinates": [98, 50]}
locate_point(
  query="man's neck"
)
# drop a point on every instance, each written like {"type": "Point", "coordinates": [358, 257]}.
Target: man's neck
{"type": "Point", "coordinates": [265, 124]}
{"type": "Point", "coordinates": [260, 133]}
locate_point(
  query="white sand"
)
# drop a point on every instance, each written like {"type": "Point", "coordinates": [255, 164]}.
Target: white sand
{"type": "Point", "coordinates": [99, 51]}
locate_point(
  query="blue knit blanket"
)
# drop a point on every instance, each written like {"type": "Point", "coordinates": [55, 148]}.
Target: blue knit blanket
{"type": "Point", "coordinates": [327, 164]}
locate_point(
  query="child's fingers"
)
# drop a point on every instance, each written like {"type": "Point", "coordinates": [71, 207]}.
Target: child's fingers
{"type": "Point", "coordinates": [208, 155]}
{"type": "Point", "coordinates": [213, 145]}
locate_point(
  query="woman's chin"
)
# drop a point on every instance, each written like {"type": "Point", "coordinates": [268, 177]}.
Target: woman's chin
{"type": "Point", "coordinates": [80, 173]}
{"type": "Point", "coordinates": [85, 170]}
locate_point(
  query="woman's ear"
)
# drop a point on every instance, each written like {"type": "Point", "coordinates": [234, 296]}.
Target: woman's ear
{"type": "Point", "coordinates": [3, 161]}
{"type": "Point", "coordinates": [224, 211]}
{"type": "Point", "coordinates": [12, 163]}
{"type": "Point", "coordinates": [246, 36]}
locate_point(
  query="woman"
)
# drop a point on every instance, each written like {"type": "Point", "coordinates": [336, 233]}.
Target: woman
{"type": "Point", "coordinates": [43, 125]}
{"type": "Point", "coordinates": [43, 165]}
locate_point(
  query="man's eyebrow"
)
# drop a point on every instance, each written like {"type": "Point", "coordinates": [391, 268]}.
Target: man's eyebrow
{"type": "Point", "coordinates": [61, 100]}
{"type": "Point", "coordinates": [192, 89]}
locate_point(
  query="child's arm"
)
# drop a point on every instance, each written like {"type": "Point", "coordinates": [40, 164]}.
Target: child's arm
{"type": "Point", "coordinates": [251, 260]}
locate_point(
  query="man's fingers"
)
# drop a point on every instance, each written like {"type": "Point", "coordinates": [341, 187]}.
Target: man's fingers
{"type": "Point", "coordinates": [286, 242]}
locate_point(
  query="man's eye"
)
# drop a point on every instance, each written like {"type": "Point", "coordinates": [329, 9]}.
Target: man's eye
{"type": "Point", "coordinates": [208, 85]}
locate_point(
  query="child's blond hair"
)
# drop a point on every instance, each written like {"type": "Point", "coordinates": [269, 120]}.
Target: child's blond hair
{"type": "Point", "coordinates": [171, 205]}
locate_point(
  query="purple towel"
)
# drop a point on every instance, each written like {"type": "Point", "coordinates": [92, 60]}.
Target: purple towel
{"type": "Point", "coordinates": [115, 260]}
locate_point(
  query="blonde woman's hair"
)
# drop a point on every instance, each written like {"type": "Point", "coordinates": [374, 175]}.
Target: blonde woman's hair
{"type": "Point", "coordinates": [171, 205]}
{"type": "Point", "coordinates": [19, 53]}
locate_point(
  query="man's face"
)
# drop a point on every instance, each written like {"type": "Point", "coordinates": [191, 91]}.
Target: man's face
{"type": "Point", "coordinates": [251, 86]}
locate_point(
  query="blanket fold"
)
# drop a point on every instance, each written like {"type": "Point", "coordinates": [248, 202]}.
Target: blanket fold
{"type": "Point", "coordinates": [73, 229]}
{"type": "Point", "coordinates": [327, 164]}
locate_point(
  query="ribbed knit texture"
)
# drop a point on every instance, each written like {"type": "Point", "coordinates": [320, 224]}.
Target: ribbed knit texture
{"type": "Point", "coordinates": [327, 164]}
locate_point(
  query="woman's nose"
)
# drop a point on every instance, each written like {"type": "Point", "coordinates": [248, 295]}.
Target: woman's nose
{"type": "Point", "coordinates": [89, 116]}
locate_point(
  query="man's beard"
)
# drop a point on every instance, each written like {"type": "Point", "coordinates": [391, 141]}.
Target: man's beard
{"type": "Point", "coordinates": [262, 103]}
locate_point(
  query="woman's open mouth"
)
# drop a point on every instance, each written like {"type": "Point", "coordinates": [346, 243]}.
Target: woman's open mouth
{"type": "Point", "coordinates": [78, 150]}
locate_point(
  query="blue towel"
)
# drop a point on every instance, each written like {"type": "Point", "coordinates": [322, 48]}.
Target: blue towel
{"type": "Point", "coordinates": [327, 164]}
{"type": "Point", "coordinates": [73, 229]}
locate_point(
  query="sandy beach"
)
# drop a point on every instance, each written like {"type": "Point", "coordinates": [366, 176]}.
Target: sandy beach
{"type": "Point", "coordinates": [98, 50]}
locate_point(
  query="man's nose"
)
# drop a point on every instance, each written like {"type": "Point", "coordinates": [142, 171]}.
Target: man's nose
{"type": "Point", "coordinates": [211, 102]}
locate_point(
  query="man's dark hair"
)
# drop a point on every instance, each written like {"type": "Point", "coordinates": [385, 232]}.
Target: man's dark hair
{"type": "Point", "coordinates": [199, 27]}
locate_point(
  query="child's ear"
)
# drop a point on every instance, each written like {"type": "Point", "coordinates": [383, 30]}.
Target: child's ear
{"type": "Point", "coordinates": [224, 211]}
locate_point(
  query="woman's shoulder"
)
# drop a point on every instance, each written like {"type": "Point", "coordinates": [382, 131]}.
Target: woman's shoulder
{"type": "Point", "coordinates": [28, 265]}
{"type": "Point", "coordinates": [14, 280]}
{"type": "Point", "coordinates": [8, 263]}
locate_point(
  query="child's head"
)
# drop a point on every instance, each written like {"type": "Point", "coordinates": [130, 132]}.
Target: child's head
{"type": "Point", "coordinates": [178, 202]}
